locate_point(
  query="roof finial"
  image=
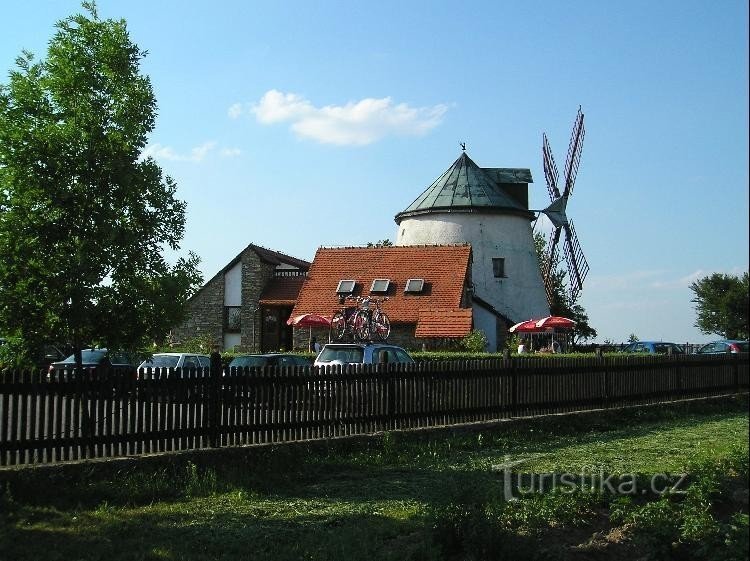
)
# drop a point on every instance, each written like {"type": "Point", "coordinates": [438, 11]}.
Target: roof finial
{"type": "Point", "coordinates": [463, 146]}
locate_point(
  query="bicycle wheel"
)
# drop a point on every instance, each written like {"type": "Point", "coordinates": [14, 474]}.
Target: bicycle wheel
{"type": "Point", "coordinates": [338, 325]}
{"type": "Point", "coordinates": [381, 325]}
{"type": "Point", "coordinates": [361, 324]}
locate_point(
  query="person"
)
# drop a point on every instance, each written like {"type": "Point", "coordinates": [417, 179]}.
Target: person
{"type": "Point", "coordinates": [314, 345]}
{"type": "Point", "coordinates": [522, 348]}
{"type": "Point", "coordinates": [556, 347]}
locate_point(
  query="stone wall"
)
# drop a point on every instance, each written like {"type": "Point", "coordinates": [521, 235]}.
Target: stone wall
{"type": "Point", "coordinates": [255, 276]}
{"type": "Point", "coordinates": [204, 316]}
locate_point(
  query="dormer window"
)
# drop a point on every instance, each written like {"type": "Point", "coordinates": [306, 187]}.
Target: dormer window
{"type": "Point", "coordinates": [380, 285]}
{"type": "Point", "coordinates": [346, 286]}
{"type": "Point", "coordinates": [414, 285]}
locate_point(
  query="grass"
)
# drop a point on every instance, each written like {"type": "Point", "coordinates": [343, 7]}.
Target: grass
{"type": "Point", "coordinates": [412, 497]}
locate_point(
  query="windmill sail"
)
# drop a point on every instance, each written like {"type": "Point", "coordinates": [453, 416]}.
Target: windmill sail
{"type": "Point", "coordinates": [575, 260]}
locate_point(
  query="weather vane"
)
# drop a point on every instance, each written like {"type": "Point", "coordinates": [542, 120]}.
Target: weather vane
{"type": "Point", "coordinates": [463, 146]}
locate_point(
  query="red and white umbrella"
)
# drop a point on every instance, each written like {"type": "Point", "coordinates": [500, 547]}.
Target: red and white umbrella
{"type": "Point", "coordinates": [528, 326]}
{"type": "Point", "coordinates": [310, 321]}
{"type": "Point", "coordinates": [555, 322]}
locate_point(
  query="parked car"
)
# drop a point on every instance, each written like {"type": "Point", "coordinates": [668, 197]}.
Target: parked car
{"type": "Point", "coordinates": [176, 360]}
{"type": "Point", "coordinates": [269, 359]}
{"type": "Point", "coordinates": [91, 359]}
{"type": "Point", "coordinates": [724, 346]}
{"type": "Point", "coordinates": [654, 347]}
{"type": "Point", "coordinates": [361, 353]}
{"type": "Point", "coordinates": [354, 353]}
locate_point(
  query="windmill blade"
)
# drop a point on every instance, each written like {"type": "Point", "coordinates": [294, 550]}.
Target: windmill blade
{"type": "Point", "coordinates": [550, 170]}
{"type": "Point", "coordinates": [578, 267]}
{"type": "Point", "coordinates": [550, 264]}
{"type": "Point", "coordinates": [574, 154]}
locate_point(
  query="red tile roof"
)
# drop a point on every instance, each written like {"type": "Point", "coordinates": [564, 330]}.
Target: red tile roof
{"type": "Point", "coordinates": [443, 268]}
{"type": "Point", "coordinates": [282, 291]}
{"type": "Point", "coordinates": [444, 322]}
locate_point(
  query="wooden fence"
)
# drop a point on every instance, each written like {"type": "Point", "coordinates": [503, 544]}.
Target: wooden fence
{"type": "Point", "coordinates": [107, 414]}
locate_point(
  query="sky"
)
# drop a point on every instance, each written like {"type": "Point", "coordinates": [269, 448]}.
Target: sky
{"type": "Point", "coordinates": [295, 125]}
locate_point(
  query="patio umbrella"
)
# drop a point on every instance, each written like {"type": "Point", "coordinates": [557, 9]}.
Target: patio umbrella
{"type": "Point", "coordinates": [310, 321]}
{"type": "Point", "coordinates": [528, 326]}
{"type": "Point", "coordinates": [555, 322]}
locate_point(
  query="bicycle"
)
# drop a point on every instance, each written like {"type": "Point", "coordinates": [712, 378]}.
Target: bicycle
{"type": "Point", "coordinates": [347, 319]}
{"type": "Point", "coordinates": [372, 322]}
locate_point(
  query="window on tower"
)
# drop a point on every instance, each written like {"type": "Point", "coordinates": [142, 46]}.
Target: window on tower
{"type": "Point", "coordinates": [498, 267]}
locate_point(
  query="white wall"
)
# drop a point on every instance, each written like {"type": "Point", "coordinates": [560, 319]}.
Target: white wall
{"type": "Point", "coordinates": [519, 296]}
{"type": "Point", "coordinates": [487, 323]}
{"type": "Point", "coordinates": [233, 286]}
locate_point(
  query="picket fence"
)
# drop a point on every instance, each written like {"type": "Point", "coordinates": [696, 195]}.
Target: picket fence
{"type": "Point", "coordinates": [114, 413]}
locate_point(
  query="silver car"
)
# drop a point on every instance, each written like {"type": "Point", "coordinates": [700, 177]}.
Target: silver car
{"type": "Point", "coordinates": [361, 353]}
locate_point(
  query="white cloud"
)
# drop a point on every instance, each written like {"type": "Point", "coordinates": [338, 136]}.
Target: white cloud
{"type": "Point", "coordinates": [160, 152]}
{"type": "Point", "coordinates": [235, 111]}
{"type": "Point", "coordinates": [230, 152]}
{"type": "Point", "coordinates": [356, 123]}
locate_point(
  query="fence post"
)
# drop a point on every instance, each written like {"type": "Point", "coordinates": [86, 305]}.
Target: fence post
{"type": "Point", "coordinates": [213, 399]}
{"type": "Point", "coordinates": [513, 384]}
{"type": "Point", "coordinates": [736, 372]}
{"type": "Point", "coordinates": [603, 362]}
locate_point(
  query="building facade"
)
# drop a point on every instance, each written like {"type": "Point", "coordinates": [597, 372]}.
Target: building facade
{"type": "Point", "coordinates": [245, 305]}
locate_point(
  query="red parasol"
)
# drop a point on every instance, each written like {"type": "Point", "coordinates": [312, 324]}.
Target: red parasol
{"type": "Point", "coordinates": [555, 322]}
{"type": "Point", "coordinates": [528, 326]}
{"type": "Point", "coordinates": [309, 320]}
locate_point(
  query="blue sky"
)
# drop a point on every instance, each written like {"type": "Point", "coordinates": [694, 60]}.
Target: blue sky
{"type": "Point", "coordinates": [299, 124]}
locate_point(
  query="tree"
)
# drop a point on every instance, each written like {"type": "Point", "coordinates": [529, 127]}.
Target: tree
{"type": "Point", "coordinates": [633, 338]}
{"type": "Point", "coordinates": [562, 304]}
{"type": "Point", "coordinates": [722, 305]}
{"type": "Point", "coordinates": [84, 220]}
{"type": "Point", "coordinates": [381, 243]}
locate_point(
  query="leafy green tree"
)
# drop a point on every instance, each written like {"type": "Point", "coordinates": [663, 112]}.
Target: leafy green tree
{"type": "Point", "coordinates": [722, 305]}
{"type": "Point", "coordinates": [84, 219]}
{"type": "Point", "coordinates": [562, 304]}
{"type": "Point", "coordinates": [633, 338]}
{"type": "Point", "coordinates": [381, 243]}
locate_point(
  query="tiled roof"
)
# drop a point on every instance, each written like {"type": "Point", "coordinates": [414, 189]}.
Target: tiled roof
{"type": "Point", "coordinates": [282, 291]}
{"type": "Point", "coordinates": [277, 258]}
{"type": "Point", "coordinates": [444, 322]}
{"type": "Point", "coordinates": [443, 268]}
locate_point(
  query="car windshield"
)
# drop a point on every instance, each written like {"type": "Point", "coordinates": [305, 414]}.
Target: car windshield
{"type": "Point", "coordinates": [343, 354]}
{"type": "Point", "coordinates": [161, 361]}
{"type": "Point", "coordinates": [248, 361]}
{"type": "Point", "coordinates": [663, 348]}
{"type": "Point", "coordinates": [88, 357]}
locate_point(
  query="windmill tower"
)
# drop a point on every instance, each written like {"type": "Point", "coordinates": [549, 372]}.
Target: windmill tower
{"type": "Point", "coordinates": [575, 260]}
{"type": "Point", "coordinates": [488, 208]}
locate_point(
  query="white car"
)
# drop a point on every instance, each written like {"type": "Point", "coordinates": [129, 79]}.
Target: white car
{"type": "Point", "coordinates": [361, 353]}
{"type": "Point", "coordinates": [176, 360]}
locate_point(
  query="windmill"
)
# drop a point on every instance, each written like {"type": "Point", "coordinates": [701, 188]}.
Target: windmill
{"type": "Point", "coordinates": [576, 262]}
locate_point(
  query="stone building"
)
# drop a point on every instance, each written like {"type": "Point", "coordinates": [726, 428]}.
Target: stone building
{"type": "Point", "coordinates": [428, 290]}
{"type": "Point", "coordinates": [245, 305]}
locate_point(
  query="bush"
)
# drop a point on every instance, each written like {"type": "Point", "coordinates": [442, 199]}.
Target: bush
{"type": "Point", "coordinates": [475, 342]}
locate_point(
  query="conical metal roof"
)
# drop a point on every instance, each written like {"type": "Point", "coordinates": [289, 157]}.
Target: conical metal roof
{"type": "Point", "coordinates": [463, 187]}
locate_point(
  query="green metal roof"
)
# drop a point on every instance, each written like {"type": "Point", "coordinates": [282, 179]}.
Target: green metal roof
{"type": "Point", "coordinates": [465, 187]}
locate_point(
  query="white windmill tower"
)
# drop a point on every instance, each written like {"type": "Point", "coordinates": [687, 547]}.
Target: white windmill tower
{"type": "Point", "coordinates": [487, 208]}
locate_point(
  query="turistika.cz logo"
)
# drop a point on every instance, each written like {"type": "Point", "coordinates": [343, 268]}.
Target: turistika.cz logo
{"type": "Point", "coordinates": [590, 479]}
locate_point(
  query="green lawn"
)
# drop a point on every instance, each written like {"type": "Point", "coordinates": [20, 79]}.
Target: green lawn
{"type": "Point", "coordinates": [411, 497]}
